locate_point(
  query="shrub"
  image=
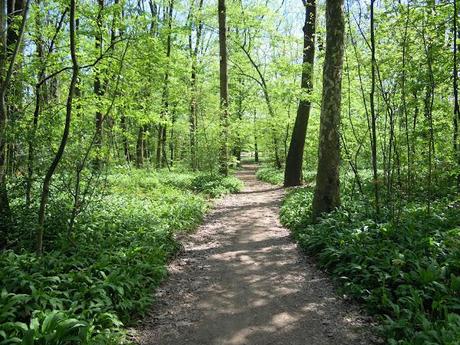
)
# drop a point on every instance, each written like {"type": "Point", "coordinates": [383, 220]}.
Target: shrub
{"type": "Point", "coordinates": [407, 272]}
{"type": "Point", "coordinates": [85, 289]}
{"type": "Point", "coordinates": [216, 185]}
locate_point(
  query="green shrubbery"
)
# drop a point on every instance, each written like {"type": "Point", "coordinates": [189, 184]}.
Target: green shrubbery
{"type": "Point", "coordinates": [270, 174]}
{"type": "Point", "coordinates": [96, 280]}
{"type": "Point", "coordinates": [406, 271]}
{"type": "Point", "coordinates": [216, 185]}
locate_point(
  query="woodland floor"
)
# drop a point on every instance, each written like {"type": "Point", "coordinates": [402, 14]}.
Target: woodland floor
{"type": "Point", "coordinates": [242, 280]}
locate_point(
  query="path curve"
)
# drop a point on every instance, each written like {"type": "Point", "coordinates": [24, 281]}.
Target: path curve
{"type": "Point", "coordinates": [242, 281]}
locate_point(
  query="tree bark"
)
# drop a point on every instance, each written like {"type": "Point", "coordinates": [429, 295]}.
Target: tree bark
{"type": "Point", "coordinates": [65, 134]}
{"type": "Point", "coordinates": [294, 159]}
{"type": "Point", "coordinates": [456, 116]}
{"type": "Point", "coordinates": [223, 156]}
{"type": "Point", "coordinates": [8, 58]}
{"type": "Point", "coordinates": [373, 114]}
{"type": "Point", "coordinates": [193, 82]}
{"type": "Point", "coordinates": [327, 191]}
{"type": "Point", "coordinates": [99, 88]}
{"type": "Point", "coordinates": [161, 157]}
{"type": "Point", "coordinates": [140, 146]}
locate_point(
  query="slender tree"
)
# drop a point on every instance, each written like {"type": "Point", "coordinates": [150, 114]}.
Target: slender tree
{"type": "Point", "coordinates": [456, 116]}
{"type": "Point", "coordinates": [9, 51]}
{"type": "Point", "coordinates": [161, 158]}
{"type": "Point", "coordinates": [294, 159]}
{"type": "Point", "coordinates": [65, 135]}
{"type": "Point", "coordinates": [373, 114]}
{"type": "Point", "coordinates": [327, 190]}
{"type": "Point", "coordinates": [196, 23]}
{"type": "Point", "coordinates": [223, 156]}
{"type": "Point", "coordinates": [99, 87]}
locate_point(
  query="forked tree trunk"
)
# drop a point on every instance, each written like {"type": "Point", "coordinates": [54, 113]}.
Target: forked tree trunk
{"type": "Point", "coordinates": [294, 159]}
{"type": "Point", "coordinates": [327, 190]}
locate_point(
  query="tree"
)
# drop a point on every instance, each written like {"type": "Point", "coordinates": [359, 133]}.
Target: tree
{"type": "Point", "coordinates": [99, 85]}
{"type": "Point", "coordinates": [197, 24]}
{"type": "Point", "coordinates": [161, 158]}
{"type": "Point", "coordinates": [327, 191]}
{"type": "Point", "coordinates": [373, 114]}
{"type": "Point", "coordinates": [294, 159]}
{"type": "Point", "coordinates": [10, 43]}
{"type": "Point", "coordinates": [65, 135]}
{"type": "Point", "coordinates": [223, 157]}
{"type": "Point", "coordinates": [456, 115]}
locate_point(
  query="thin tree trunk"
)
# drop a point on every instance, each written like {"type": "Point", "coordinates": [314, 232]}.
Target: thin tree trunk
{"type": "Point", "coordinates": [327, 191]}
{"type": "Point", "coordinates": [263, 84]}
{"type": "Point", "coordinates": [65, 134]}
{"type": "Point", "coordinates": [125, 138]}
{"type": "Point", "coordinates": [373, 114]}
{"type": "Point", "coordinates": [256, 145]}
{"type": "Point", "coordinates": [140, 146]}
{"type": "Point", "coordinates": [456, 116]}
{"type": "Point", "coordinates": [161, 148]}
{"type": "Point", "coordinates": [294, 160]}
{"type": "Point", "coordinates": [7, 63]}
{"type": "Point", "coordinates": [40, 98]}
{"type": "Point", "coordinates": [99, 88]}
{"type": "Point", "coordinates": [404, 103]}
{"type": "Point", "coordinates": [193, 82]}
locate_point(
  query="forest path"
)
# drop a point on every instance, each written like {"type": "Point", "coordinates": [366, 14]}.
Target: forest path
{"type": "Point", "coordinates": [242, 280]}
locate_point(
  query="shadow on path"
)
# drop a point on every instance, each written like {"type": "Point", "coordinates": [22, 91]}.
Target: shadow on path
{"type": "Point", "coordinates": [241, 280]}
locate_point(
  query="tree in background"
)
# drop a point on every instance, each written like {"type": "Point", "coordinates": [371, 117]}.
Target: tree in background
{"type": "Point", "coordinates": [294, 159]}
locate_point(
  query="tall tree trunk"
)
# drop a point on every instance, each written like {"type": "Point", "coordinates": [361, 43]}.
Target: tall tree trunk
{"type": "Point", "coordinates": [193, 81]}
{"type": "Point", "coordinates": [40, 97]}
{"type": "Point", "coordinates": [404, 101]}
{"type": "Point", "coordinates": [5, 213]}
{"type": "Point", "coordinates": [327, 190]}
{"type": "Point", "coordinates": [223, 156]}
{"type": "Point", "coordinates": [373, 114]}
{"type": "Point", "coordinates": [99, 88]}
{"type": "Point", "coordinates": [8, 56]}
{"type": "Point", "coordinates": [65, 134]}
{"type": "Point", "coordinates": [294, 159]}
{"type": "Point", "coordinates": [456, 116]}
{"type": "Point", "coordinates": [161, 148]}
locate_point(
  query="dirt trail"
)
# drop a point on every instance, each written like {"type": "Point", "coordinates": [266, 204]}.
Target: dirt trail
{"type": "Point", "coordinates": [241, 280]}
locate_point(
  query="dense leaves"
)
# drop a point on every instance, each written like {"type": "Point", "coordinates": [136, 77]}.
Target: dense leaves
{"type": "Point", "coordinates": [406, 271]}
{"type": "Point", "coordinates": [84, 290]}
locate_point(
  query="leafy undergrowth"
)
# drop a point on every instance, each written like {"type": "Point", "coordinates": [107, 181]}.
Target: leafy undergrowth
{"type": "Point", "coordinates": [407, 272]}
{"type": "Point", "coordinates": [84, 290]}
{"type": "Point", "coordinates": [270, 174]}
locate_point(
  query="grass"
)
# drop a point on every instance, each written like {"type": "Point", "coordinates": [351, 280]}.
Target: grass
{"type": "Point", "coordinates": [84, 291]}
